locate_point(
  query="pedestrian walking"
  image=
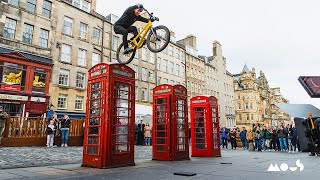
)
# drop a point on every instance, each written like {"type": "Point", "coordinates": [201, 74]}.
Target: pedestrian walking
{"type": "Point", "coordinates": [3, 119]}
{"type": "Point", "coordinates": [257, 139]}
{"type": "Point", "coordinates": [65, 129]}
{"type": "Point", "coordinates": [147, 134]}
{"type": "Point", "coordinates": [243, 137]}
{"type": "Point", "coordinates": [51, 128]}
{"type": "Point", "coordinates": [141, 133]}
{"type": "Point", "coordinates": [233, 134]}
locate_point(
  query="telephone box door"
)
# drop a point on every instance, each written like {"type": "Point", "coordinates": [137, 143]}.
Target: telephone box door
{"type": "Point", "coordinates": [215, 131]}
{"type": "Point", "coordinates": [93, 142]}
{"type": "Point", "coordinates": [199, 130]}
{"type": "Point", "coordinates": [122, 124]}
{"type": "Point", "coordinates": [182, 145]}
{"type": "Point", "coordinates": [161, 129]}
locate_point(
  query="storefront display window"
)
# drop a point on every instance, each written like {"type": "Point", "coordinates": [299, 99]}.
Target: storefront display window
{"type": "Point", "coordinates": [13, 77]}
{"type": "Point", "coordinates": [39, 80]}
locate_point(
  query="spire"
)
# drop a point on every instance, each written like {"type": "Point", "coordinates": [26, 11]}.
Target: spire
{"type": "Point", "coordinates": [245, 68]}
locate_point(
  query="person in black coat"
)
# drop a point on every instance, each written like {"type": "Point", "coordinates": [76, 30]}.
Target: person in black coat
{"type": "Point", "coordinates": [65, 128]}
{"type": "Point", "coordinates": [141, 133]}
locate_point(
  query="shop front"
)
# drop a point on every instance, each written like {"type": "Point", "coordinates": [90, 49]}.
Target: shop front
{"type": "Point", "coordinates": [24, 83]}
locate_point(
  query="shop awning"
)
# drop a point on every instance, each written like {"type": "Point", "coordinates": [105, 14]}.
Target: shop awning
{"type": "Point", "coordinates": [28, 56]}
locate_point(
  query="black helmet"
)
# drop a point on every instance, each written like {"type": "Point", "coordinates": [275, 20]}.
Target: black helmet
{"type": "Point", "coordinates": [140, 7]}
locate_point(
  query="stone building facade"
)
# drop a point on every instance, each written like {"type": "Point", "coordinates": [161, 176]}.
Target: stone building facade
{"type": "Point", "coordinates": [255, 101]}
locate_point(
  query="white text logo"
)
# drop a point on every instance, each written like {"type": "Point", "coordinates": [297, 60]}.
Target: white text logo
{"type": "Point", "coordinates": [285, 167]}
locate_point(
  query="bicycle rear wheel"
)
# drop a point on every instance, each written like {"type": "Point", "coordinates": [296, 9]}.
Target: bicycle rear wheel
{"type": "Point", "coordinates": [158, 39]}
{"type": "Point", "coordinates": [125, 58]}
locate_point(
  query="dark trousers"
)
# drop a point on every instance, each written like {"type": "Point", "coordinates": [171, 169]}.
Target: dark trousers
{"type": "Point", "coordinates": [225, 143]}
{"type": "Point", "coordinates": [233, 143]}
{"type": "Point", "coordinates": [273, 144]}
{"type": "Point", "coordinates": [136, 140]}
{"type": "Point", "coordinates": [140, 138]}
{"type": "Point", "coordinates": [121, 30]}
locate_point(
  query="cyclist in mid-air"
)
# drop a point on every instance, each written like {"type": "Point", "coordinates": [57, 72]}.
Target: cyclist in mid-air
{"type": "Point", "coordinates": [124, 24]}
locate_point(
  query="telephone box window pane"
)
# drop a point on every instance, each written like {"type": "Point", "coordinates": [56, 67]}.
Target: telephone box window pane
{"type": "Point", "coordinates": [92, 150]}
{"type": "Point", "coordinates": [93, 130]}
{"type": "Point", "coordinates": [161, 101]}
{"type": "Point", "coordinates": [122, 86]}
{"type": "Point", "coordinates": [95, 95]}
{"type": "Point", "coordinates": [122, 103]}
{"type": "Point", "coordinates": [160, 141]}
{"type": "Point", "coordinates": [94, 121]}
{"type": "Point", "coordinates": [123, 121]}
{"type": "Point", "coordinates": [93, 140]}
{"type": "Point", "coordinates": [160, 148]}
{"type": "Point", "coordinates": [122, 130]}
{"type": "Point", "coordinates": [121, 148]}
{"type": "Point", "coordinates": [96, 86]}
{"type": "Point", "coordinates": [123, 112]}
{"type": "Point", "coordinates": [161, 114]}
{"type": "Point", "coordinates": [95, 103]}
{"type": "Point", "coordinates": [94, 112]}
{"type": "Point", "coordinates": [160, 127]}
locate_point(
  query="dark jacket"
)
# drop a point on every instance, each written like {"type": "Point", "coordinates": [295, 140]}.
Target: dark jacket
{"type": "Point", "coordinates": [282, 133]}
{"type": "Point", "coordinates": [243, 135]}
{"type": "Point", "coordinates": [128, 18]}
{"type": "Point", "coordinates": [257, 135]}
{"type": "Point", "coordinates": [51, 131]}
{"type": "Point", "coordinates": [65, 123]}
{"type": "Point", "coordinates": [265, 134]}
{"type": "Point", "coordinates": [274, 135]}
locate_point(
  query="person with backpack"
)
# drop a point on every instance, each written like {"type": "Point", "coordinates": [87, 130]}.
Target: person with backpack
{"type": "Point", "coordinates": [257, 139]}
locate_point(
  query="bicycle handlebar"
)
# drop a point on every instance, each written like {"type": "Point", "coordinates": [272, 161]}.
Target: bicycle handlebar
{"type": "Point", "coordinates": [152, 18]}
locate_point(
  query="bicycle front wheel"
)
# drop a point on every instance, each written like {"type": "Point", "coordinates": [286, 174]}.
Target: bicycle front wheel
{"type": "Point", "coordinates": [158, 39]}
{"type": "Point", "coordinates": [125, 58]}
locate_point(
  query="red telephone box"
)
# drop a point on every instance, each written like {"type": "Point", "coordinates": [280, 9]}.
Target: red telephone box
{"type": "Point", "coordinates": [170, 123]}
{"type": "Point", "coordinates": [205, 134]}
{"type": "Point", "coordinates": [109, 125]}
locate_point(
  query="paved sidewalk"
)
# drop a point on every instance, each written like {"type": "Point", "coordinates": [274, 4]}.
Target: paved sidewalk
{"type": "Point", "coordinates": [18, 157]}
{"type": "Point", "coordinates": [245, 166]}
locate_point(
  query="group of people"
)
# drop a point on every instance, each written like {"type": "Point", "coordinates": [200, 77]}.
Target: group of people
{"type": "Point", "coordinates": [143, 134]}
{"type": "Point", "coordinates": [56, 126]}
{"type": "Point", "coordinates": [282, 138]}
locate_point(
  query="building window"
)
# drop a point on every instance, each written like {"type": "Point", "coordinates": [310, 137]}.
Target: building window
{"type": "Point", "coordinates": [67, 26]}
{"type": "Point", "coordinates": [144, 54]}
{"type": "Point", "coordinates": [95, 58]}
{"type": "Point", "coordinates": [14, 2]}
{"type": "Point", "coordinates": [62, 101]}
{"type": "Point", "coordinates": [83, 30]}
{"type": "Point", "coordinates": [248, 117]}
{"type": "Point", "coordinates": [165, 65]}
{"type": "Point", "coordinates": [76, 3]}
{"type": "Point", "coordinates": [39, 81]}
{"type": "Point", "coordinates": [79, 103]}
{"type": "Point", "coordinates": [178, 54]}
{"type": "Point", "coordinates": [151, 58]}
{"type": "Point", "coordinates": [27, 34]}
{"type": "Point", "coordinates": [46, 9]}
{"type": "Point", "coordinates": [82, 57]}
{"type": "Point", "coordinates": [158, 80]}
{"type": "Point", "coordinates": [239, 105]}
{"type": "Point", "coordinates": [159, 63]}
{"type": "Point", "coordinates": [31, 6]}
{"type": "Point", "coordinates": [80, 81]}
{"type": "Point", "coordinates": [252, 117]}
{"type": "Point", "coordinates": [10, 28]}
{"type": "Point", "coordinates": [171, 67]}
{"type": "Point", "coordinates": [247, 106]}
{"type": "Point", "coordinates": [82, 4]}
{"type": "Point", "coordinates": [115, 43]}
{"type": "Point", "coordinates": [144, 94]}
{"type": "Point", "coordinates": [170, 50]}
{"type": "Point", "coordinates": [44, 36]}
{"type": "Point", "coordinates": [64, 77]}
{"type": "Point", "coordinates": [240, 117]}
{"type": "Point", "coordinates": [96, 36]}
{"type": "Point", "coordinates": [165, 80]}
{"type": "Point", "coordinates": [136, 71]}
{"type": "Point", "coordinates": [177, 69]}
{"type": "Point", "coordinates": [172, 81]}
{"type": "Point", "coordinates": [151, 75]}
{"type": "Point", "coordinates": [182, 71]}
{"type": "Point", "coordinates": [144, 74]}
{"type": "Point", "coordinates": [66, 53]}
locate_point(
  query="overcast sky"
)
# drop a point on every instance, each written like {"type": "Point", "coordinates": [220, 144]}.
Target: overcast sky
{"type": "Point", "coordinates": [279, 37]}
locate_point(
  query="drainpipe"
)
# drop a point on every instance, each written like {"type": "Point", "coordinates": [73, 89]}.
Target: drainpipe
{"type": "Point", "coordinates": [102, 51]}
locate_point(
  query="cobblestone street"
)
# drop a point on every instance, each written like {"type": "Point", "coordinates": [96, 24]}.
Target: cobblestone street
{"type": "Point", "coordinates": [17, 157]}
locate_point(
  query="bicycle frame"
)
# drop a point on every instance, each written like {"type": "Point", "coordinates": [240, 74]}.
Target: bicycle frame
{"type": "Point", "coordinates": [142, 34]}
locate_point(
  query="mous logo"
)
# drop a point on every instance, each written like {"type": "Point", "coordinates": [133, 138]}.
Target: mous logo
{"type": "Point", "coordinates": [285, 167]}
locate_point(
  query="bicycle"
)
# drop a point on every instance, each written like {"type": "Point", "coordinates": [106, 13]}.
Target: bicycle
{"type": "Point", "coordinates": [156, 36]}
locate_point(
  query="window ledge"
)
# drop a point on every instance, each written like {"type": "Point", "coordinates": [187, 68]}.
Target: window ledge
{"type": "Point", "coordinates": [65, 87]}
{"type": "Point", "coordinates": [82, 66]}
{"type": "Point", "coordinates": [68, 35]}
{"type": "Point", "coordinates": [84, 40]}
{"type": "Point", "coordinates": [80, 89]}
{"type": "Point", "coordinates": [61, 108]}
{"type": "Point", "coordinates": [65, 62]}
{"type": "Point", "coordinates": [78, 109]}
